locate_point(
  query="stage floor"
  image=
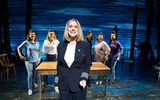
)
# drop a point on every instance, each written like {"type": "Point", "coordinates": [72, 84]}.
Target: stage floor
{"type": "Point", "coordinates": [137, 84]}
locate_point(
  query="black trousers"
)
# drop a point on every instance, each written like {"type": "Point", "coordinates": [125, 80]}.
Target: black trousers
{"type": "Point", "coordinates": [69, 95]}
{"type": "Point", "coordinates": [51, 57]}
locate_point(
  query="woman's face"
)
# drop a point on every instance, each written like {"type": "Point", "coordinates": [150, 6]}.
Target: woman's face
{"type": "Point", "coordinates": [113, 36]}
{"type": "Point", "coordinates": [51, 36]}
{"type": "Point", "coordinates": [100, 38]}
{"type": "Point", "coordinates": [72, 29]}
{"type": "Point", "coordinates": [32, 36]}
{"type": "Point", "coordinates": [89, 36]}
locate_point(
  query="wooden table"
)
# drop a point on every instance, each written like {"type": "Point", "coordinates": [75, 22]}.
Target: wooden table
{"type": "Point", "coordinates": [49, 68]}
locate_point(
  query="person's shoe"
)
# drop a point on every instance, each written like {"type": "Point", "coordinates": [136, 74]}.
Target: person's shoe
{"type": "Point", "coordinates": [99, 82]}
{"type": "Point", "coordinates": [43, 83]}
{"type": "Point", "coordinates": [29, 92]}
{"type": "Point", "coordinates": [35, 85]}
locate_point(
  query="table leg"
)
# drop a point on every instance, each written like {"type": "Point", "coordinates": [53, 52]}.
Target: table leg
{"type": "Point", "coordinates": [99, 80]}
{"type": "Point", "coordinates": [40, 86]}
{"type": "Point", "coordinates": [105, 84]}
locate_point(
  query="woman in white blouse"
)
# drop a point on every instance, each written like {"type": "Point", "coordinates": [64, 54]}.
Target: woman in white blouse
{"type": "Point", "coordinates": [50, 46]}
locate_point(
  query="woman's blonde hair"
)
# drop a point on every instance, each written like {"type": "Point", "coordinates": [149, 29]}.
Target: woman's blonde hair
{"type": "Point", "coordinates": [53, 34]}
{"type": "Point", "coordinates": [79, 36]}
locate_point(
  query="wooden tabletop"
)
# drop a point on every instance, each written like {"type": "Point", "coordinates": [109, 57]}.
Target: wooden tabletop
{"type": "Point", "coordinates": [47, 68]}
{"type": "Point", "coordinates": [99, 66]}
{"type": "Point", "coordinates": [53, 66]}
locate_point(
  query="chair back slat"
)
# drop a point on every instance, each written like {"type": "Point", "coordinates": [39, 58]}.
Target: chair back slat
{"type": "Point", "coordinates": [4, 59]}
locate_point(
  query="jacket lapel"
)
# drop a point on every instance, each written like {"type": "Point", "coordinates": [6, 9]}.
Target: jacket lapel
{"type": "Point", "coordinates": [76, 55]}
{"type": "Point", "coordinates": [63, 53]}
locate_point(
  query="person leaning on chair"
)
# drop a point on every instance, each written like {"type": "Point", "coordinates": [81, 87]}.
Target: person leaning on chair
{"type": "Point", "coordinates": [32, 59]}
{"type": "Point", "coordinates": [74, 61]}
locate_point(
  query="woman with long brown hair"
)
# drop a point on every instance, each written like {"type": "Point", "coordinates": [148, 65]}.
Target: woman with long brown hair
{"type": "Point", "coordinates": [32, 58]}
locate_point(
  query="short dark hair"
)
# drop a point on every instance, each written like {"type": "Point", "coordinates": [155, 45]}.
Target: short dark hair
{"type": "Point", "coordinates": [100, 33]}
{"type": "Point", "coordinates": [114, 32]}
{"type": "Point", "coordinates": [88, 33]}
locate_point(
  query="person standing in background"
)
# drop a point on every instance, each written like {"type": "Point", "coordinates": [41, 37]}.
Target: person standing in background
{"type": "Point", "coordinates": [50, 49]}
{"type": "Point", "coordinates": [101, 52]}
{"type": "Point", "coordinates": [32, 59]}
{"type": "Point", "coordinates": [89, 38]}
{"type": "Point", "coordinates": [74, 61]}
{"type": "Point", "coordinates": [50, 46]}
{"type": "Point", "coordinates": [101, 49]}
{"type": "Point", "coordinates": [114, 57]}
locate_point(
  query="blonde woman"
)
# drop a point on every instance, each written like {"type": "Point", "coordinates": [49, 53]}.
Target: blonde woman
{"type": "Point", "coordinates": [50, 49]}
{"type": "Point", "coordinates": [74, 61]}
{"type": "Point", "coordinates": [50, 46]}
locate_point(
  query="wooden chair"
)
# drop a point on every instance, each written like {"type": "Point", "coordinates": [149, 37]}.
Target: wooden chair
{"type": "Point", "coordinates": [156, 71]}
{"type": "Point", "coordinates": [6, 65]}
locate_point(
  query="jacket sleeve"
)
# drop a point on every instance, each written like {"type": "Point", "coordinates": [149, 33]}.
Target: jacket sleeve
{"type": "Point", "coordinates": [87, 63]}
{"type": "Point", "coordinates": [56, 80]}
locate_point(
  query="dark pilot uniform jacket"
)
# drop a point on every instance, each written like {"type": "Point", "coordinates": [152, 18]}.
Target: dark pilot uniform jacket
{"type": "Point", "coordinates": [69, 77]}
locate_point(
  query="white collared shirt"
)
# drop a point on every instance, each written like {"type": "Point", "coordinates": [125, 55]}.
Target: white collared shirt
{"type": "Point", "coordinates": [70, 53]}
{"type": "Point", "coordinates": [50, 47]}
